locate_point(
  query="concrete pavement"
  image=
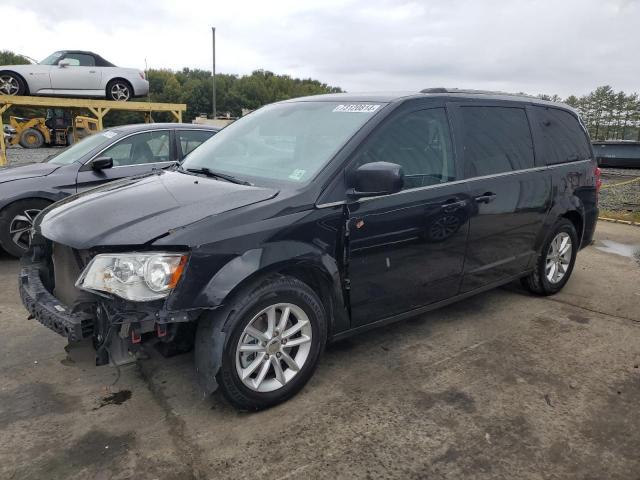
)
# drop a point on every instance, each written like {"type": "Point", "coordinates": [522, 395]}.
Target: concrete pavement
{"type": "Point", "coordinates": [503, 385]}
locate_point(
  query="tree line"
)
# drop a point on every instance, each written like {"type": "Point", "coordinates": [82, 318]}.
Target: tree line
{"type": "Point", "coordinates": [608, 115]}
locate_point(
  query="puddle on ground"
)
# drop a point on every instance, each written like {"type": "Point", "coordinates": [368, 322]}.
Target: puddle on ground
{"type": "Point", "coordinates": [630, 251]}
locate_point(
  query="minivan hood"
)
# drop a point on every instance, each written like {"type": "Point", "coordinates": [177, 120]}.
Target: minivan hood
{"type": "Point", "coordinates": [138, 210]}
{"type": "Point", "coordinates": [19, 172]}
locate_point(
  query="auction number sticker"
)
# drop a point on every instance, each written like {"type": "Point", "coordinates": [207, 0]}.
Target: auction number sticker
{"type": "Point", "coordinates": [356, 108]}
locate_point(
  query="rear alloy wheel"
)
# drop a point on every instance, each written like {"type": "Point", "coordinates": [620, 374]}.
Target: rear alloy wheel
{"type": "Point", "coordinates": [15, 225]}
{"type": "Point", "coordinates": [11, 84]}
{"type": "Point", "coordinates": [275, 333]}
{"type": "Point", "coordinates": [119, 90]}
{"type": "Point", "coordinates": [555, 261]}
{"type": "Point", "coordinates": [31, 138]}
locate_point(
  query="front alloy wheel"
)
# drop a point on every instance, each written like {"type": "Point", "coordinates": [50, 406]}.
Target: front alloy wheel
{"type": "Point", "coordinates": [273, 347]}
{"type": "Point", "coordinates": [264, 344]}
{"type": "Point", "coordinates": [16, 221]}
{"type": "Point", "coordinates": [20, 226]}
{"type": "Point", "coordinates": [9, 85]}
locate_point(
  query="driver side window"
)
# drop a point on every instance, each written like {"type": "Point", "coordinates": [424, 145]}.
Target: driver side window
{"type": "Point", "coordinates": [420, 142]}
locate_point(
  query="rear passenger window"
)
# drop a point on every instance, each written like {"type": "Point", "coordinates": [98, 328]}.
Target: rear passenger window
{"type": "Point", "coordinates": [563, 138]}
{"type": "Point", "coordinates": [495, 140]}
{"type": "Point", "coordinates": [417, 141]}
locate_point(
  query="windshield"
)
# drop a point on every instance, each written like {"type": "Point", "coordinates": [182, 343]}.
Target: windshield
{"type": "Point", "coordinates": [84, 146]}
{"type": "Point", "coordinates": [52, 59]}
{"type": "Point", "coordinates": [287, 142]}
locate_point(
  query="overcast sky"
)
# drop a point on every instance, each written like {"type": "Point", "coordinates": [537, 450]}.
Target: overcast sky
{"type": "Point", "coordinates": [558, 46]}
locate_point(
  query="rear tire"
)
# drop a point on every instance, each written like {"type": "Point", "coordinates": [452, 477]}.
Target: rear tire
{"type": "Point", "coordinates": [119, 90]}
{"type": "Point", "coordinates": [287, 352]}
{"type": "Point", "coordinates": [31, 138]}
{"type": "Point", "coordinates": [16, 221]}
{"type": "Point", "coordinates": [554, 263]}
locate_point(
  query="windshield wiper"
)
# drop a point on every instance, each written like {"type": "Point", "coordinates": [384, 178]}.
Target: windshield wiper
{"type": "Point", "coordinates": [210, 173]}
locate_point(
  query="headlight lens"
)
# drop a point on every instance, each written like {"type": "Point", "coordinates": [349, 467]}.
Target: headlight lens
{"type": "Point", "coordinates": [139, 277]}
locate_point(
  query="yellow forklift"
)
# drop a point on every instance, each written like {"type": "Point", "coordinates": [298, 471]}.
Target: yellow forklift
{"type": "Point", "coordinates": [58, 128]}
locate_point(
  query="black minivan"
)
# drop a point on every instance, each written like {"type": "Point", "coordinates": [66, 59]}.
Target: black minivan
{"type": "Point", "coordinates": [313, 219]}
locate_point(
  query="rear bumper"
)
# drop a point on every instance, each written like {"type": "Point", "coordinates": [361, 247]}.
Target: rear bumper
{"type": "Point", "coordinates": [49, 311]}
{"type": "Point", "coordinates": [590, 222]}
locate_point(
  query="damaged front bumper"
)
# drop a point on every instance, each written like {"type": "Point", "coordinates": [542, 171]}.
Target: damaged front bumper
{"type": "Point", "coordinates": [49, 311]}
{"type": "Point", "coordinates": [117, 328]}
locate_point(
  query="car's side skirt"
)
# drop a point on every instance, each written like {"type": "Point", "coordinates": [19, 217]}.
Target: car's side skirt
{"type": "Point", "coordinates": [427, 308]}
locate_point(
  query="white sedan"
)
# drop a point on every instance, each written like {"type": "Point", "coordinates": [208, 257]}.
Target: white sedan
{"type": "Point", "coordinates": [74, 73]}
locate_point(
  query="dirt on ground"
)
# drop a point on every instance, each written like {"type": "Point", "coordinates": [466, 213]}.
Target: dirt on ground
{"type": "Point", "coordinates": [503, 385]}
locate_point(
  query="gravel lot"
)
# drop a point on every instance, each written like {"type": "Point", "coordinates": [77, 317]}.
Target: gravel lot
{"type": "Point", "coordinates": [504, 385]}
{"type": "Point", "coordinates": [621, 198]}
{"type": "Point", "coordinates": [19, 155]}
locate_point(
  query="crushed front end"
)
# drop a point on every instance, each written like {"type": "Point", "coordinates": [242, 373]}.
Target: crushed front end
{"type": "Point", "coordinates": [52, 290]}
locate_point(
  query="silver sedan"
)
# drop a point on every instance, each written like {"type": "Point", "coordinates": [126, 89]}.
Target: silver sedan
{"type": "Point", "coordinates": [74, 73]}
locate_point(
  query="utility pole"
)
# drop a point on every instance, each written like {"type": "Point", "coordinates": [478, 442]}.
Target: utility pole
{"type": "Point", "coordinates": [213, 74]}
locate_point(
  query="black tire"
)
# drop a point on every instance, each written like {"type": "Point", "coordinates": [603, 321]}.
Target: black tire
{"type": "Point", "coordinates": [12, 84]}
{"type": "Point", "coordinates": [8, 220]}
{"type": "Point", "coordinates": [31, 138]}
{"type": "Point", "coordinates": [119, 85]}
{"type": "Point", "coordinates": [537, 282]}
{"type": "Point", "coordinates": [274, 290]}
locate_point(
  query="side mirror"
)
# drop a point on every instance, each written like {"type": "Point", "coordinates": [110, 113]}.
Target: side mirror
{"type": "Point", "coordinates": [63, 63]}
{"type": "Point", "coordinates": [376, 178]}
{"type": "Point", "coordinates": [101, 163]}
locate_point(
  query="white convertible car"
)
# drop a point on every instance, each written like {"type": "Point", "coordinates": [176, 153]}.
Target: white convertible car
{"type": "Point", "coordinates": [74, 73]}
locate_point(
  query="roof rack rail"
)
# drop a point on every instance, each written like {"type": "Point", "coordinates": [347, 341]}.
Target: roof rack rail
{"type": "Point", "coordinates": [477, 92]}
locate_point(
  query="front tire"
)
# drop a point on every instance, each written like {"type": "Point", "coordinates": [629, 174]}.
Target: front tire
{"type": "Point", "coordinates": [16, 221]}
{"type": "Point", "coordinates": [275, 334]}
{"type": "Point", "coordinates": [555, 261]}
{"type": "Point", "coordinates": [11, 84]}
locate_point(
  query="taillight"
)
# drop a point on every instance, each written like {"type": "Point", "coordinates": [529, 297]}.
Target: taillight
{"type": "Point", "coordinates": [598, 174]}
{"type": "Point", "coordinates": [141, 75]}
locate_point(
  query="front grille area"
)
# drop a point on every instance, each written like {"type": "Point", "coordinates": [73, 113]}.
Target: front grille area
{"type": "Point", "coordinates": [67, 267]}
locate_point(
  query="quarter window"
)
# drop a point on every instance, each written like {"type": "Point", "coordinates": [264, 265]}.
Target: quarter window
{"type": "Point", "coordinates": [419, 142]}
{"type": "Point", "coordinates": [562, 135]}
{"type": "Point", "coordinates": [190, 139]}
{"type": "Point", "coordinates": [495, 140]}
{"type": "Point", "coordinates": [148, 147]}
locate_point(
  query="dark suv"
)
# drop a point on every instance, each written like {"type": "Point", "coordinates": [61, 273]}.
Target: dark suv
{"type": "Point", "coordinates": [311, 220]}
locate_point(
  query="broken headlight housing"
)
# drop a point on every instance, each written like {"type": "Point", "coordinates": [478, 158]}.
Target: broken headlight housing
{"type": "Point", "coordinates": [139, 277]}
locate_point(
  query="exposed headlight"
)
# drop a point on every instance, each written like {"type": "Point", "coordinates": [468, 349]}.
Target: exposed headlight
{"type": "Point", "coordinates": [139, 277]}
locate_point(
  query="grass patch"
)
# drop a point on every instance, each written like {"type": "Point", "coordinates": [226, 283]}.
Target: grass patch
{"type": "Point", "coordinates": [621, 215]}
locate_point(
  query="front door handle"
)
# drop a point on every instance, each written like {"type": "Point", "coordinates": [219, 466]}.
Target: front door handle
{"type": "Point", "coordinates": [486, 198]}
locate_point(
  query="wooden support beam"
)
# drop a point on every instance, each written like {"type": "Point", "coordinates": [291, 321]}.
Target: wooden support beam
{"type": "Point", "coordinates": [3, 146]}
{"type": "Point", "coordinates": [99, 108]}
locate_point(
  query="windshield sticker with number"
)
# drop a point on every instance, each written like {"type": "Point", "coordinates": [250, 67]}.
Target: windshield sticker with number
{"type": "Point", "coordinates": [356, 108]}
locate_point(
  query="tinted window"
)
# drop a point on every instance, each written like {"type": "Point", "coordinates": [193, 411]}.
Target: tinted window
{"type": "Point", "coordinates": [495, 140]}
{"type": "Point", "coordinates": [80, 59]}
{"type": "Point", "coordinates": [562, 135]}
{"type": "Point", "coordinates": [146, 147]}
{"type": "Point", "coordinates": [190, 139]}
{"type": "Point", "coordinates": [419, 142]}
